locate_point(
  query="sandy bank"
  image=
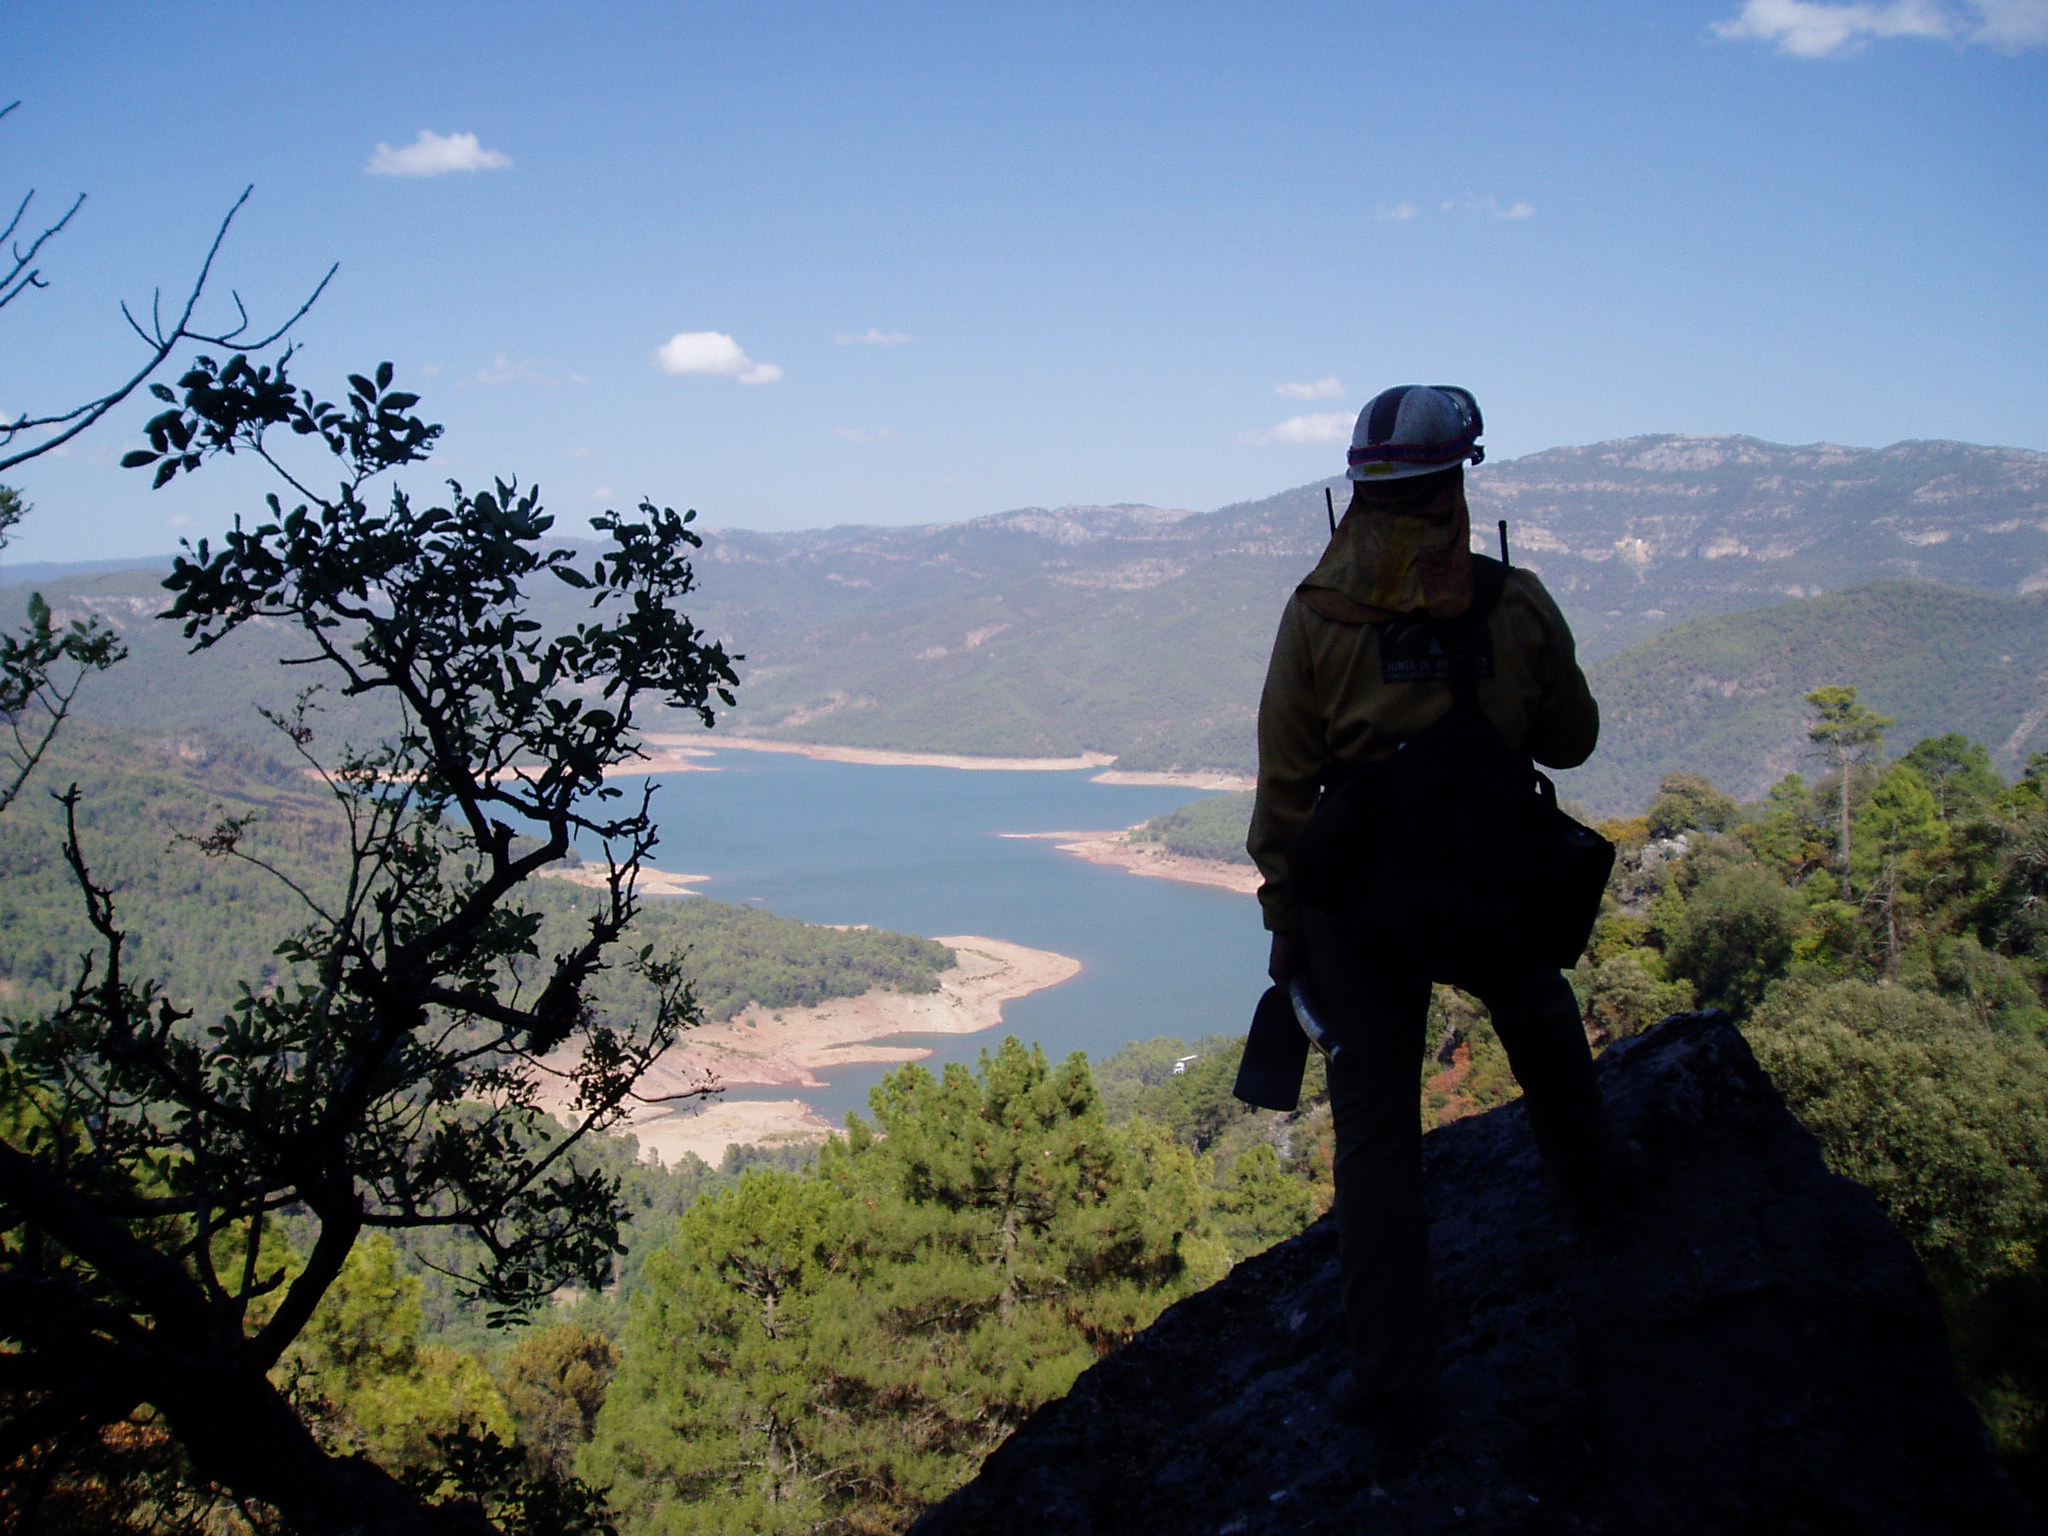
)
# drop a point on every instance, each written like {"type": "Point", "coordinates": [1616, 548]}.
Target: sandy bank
{"type": "Point", "coordinates": [876, 758]}
{"type": "Point", "coordinates": [1176, 780]}
{"type": "Point", "coordinates": [652, 882]}
{"type": "Point", "coordinates": [764, 1048]}
{"type": "Point", "coordinates": [1119, 851]}
{"type": "Point", "coordinates": [666, 757]}
{"type": "Point", "coordinates": [722, 1123]}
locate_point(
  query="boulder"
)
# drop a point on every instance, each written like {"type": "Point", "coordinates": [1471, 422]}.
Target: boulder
{"type": "Point", "coordinates": [1757, 1350]}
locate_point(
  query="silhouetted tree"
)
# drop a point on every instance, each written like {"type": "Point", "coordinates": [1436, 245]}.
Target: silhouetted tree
{"type": "Point", "coordinates": [41, 671]}
{"type": "Point", "coordinates": [391, 1081]}
{"type": "Point", "coordinates": [48, 429]}
{"type": "Point", "coordinates": [43, 667]}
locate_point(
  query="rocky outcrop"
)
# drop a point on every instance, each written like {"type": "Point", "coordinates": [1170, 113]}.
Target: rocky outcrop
{"type": "Point", "coordinates": [1757, 1351]}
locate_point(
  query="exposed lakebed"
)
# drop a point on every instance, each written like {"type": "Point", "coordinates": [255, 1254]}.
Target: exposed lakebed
{"type": "Point", "coordinates": [923, 850]}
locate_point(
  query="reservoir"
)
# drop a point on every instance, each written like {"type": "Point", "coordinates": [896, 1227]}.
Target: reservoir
{"type": "Point", "coordinates": [921, 850]}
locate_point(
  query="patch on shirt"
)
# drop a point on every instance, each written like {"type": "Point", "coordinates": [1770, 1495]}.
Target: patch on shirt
{"type": "Point", "coordinates": [1422, 650]}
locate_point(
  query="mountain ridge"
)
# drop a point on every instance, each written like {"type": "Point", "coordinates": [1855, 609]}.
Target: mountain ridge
{"type": "Point", "coordinates": [1142, 632]}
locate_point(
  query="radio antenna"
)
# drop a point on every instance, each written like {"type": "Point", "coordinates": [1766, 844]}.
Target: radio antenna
{"type": "Point", "coordinates": [1330, 509]}
{"type": "Point", "coordinates": [1504, 560]}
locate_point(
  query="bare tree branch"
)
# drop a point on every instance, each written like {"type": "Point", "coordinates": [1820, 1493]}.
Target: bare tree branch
{"type": "Point", "coordinates": [161, 341]}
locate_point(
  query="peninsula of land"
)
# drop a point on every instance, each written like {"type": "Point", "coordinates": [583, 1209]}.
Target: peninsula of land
{"type": "Point", "coordinates": [672, 754]}
{"type": "Point", "coordinates": [651, 881]}
{"type": "Point", "coordinates": [875, 757]}
{"type": "Point", "coordinates": [790, 1047]}
{"type": "Point", "coordinates": [1122, 850]}
{"type": "Point", "coordinates": [1175, 779]}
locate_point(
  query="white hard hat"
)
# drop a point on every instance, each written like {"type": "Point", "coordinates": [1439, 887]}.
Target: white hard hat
{"type": "Point", "coordinates": [1416, 429]}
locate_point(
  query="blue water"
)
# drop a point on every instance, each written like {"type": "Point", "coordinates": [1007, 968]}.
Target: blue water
{"type": "Point", "coordinates": [920, 850]}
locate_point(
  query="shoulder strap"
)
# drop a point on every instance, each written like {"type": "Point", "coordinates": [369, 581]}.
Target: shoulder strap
{"type": "Point", "coordinates": [1489, 580]}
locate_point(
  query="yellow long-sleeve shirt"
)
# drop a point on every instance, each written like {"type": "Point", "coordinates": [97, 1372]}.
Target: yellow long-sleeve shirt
{"type": "Point", "coordinates": [1325, 701]}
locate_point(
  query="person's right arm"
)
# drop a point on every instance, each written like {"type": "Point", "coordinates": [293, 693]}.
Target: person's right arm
{"type": "Point", "coordinates": [1292, 754]}
{"type": "Point", "coordinates": [1566, 724]}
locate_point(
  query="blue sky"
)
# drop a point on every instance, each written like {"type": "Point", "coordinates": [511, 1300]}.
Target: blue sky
{"type": "Point", "coordinates": [933, 261]}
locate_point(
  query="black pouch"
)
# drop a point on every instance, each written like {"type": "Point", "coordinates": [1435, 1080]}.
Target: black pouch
{"type": "Point", "coordinates": [1275, 1055]}
{"type": "Point", "coordinates": [1568, 876]}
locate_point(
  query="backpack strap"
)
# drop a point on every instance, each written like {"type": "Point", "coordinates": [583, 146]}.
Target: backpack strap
{"type": "Point", "coordinates": [1489, 580]}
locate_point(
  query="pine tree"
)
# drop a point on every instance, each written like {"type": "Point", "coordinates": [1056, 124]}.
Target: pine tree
{"type": "Point", "coordinates": [714, 1421]}
{"type": "Point", "coordinates": [1848, 734]}
{"type": "Point", "coordinates": [838, 1349]}
{"type": "Point", "coordinates": [1900, 849]}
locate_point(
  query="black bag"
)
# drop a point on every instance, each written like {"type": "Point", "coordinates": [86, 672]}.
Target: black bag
{"type": "Point", "coordinates": [1571, 866]}
{"type": "Point", "coordinates": [1453, 849]}
{"type": "Point", "coordinates": [1275, 1054]}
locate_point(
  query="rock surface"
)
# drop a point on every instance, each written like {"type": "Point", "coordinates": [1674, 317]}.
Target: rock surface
{"type": "Point", "coordinates": [1759, 1351]}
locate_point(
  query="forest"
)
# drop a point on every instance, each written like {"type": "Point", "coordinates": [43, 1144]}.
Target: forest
{"type": "Point", "coordinates": [290, 1243]}
{"type": "Point", "coordinates": [206, 927]}
{"type": "Point", "coordinates": [1877, 934]}
{"type": "Point", "coordinates": [830, 1342]}
{"type": "Point", "coordinates": [1211, 828]}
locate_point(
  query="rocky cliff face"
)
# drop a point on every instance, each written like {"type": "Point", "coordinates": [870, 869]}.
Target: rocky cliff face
{"type": "Point", "coordinates": [1758, 1352]}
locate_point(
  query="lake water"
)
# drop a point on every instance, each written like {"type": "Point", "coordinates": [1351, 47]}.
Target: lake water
{"type": "Point", "coordinates": [921, 850]}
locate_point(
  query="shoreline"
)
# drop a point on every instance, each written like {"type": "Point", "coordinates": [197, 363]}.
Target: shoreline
{"type": "Point", "coordinates": [1117, 851]}
{"type": "Point", "coordinates": [1176, 779]}
{"type": "Point", "coordinates": [652, 881]}
{"type": "Point", "coordinates": [671, 757]}
{"type": "Point", "coordinates": [876, 757]}
{"type": "Point", "coordinates": [789, 1048]}
{"type": "Point", "coordinates": [675, 748]}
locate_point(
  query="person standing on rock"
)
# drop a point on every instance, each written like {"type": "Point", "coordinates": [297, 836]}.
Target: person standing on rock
{"type": "Point", "coordinates": [1408, 680]}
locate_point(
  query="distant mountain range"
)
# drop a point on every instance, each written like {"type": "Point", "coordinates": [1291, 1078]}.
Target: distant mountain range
{"type": "Point", "coordinates": [1143, 632]}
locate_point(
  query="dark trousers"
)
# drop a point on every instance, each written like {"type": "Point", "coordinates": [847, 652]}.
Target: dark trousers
{"type": "Point", "coordinates": [1381, 1014]}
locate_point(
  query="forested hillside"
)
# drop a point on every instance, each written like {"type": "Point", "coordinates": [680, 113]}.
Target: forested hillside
{"type": "Point", "coordinates": [1143, 633]}
{"type": "Point", "coordinates": [896, 1342]}
{"type": "Point", "coordinates": [796, 1346]}
{"type": "Point", "coordinates": [1210, 828]}
{"type": "Point", "coordinates": [207, 926]}
{"type": "Point", "coordinates": [1725, 696]}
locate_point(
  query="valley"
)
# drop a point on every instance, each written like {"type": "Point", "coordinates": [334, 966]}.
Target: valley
{"type": "Point", "coordinates": [1711, 582]}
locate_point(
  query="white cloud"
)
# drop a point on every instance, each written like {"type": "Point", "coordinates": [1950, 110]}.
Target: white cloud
{"type": "Point", "coordinates": [1401, 213]}
{"type": "Point", "coordinates": [858, 435]}
{"type": "Point", "coordinates": [1323, 389]}
{"type": "Point", "coordinates": [870, 338]}
{"type": "Point", "coordinates": [577, 453]}
{"type": "Point", "coordinates": [713, 352]}
{"type": "Point", "coordinates": [1814, 29]}
{"type": "Point", "coordinates": [1334, 427]}
{"type": "Point", "coordinates": [504, 371]}
{"type": "Point", "coordinates": [2012, 24]}
{"type": "Point", "coordinates": [433, 155]}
